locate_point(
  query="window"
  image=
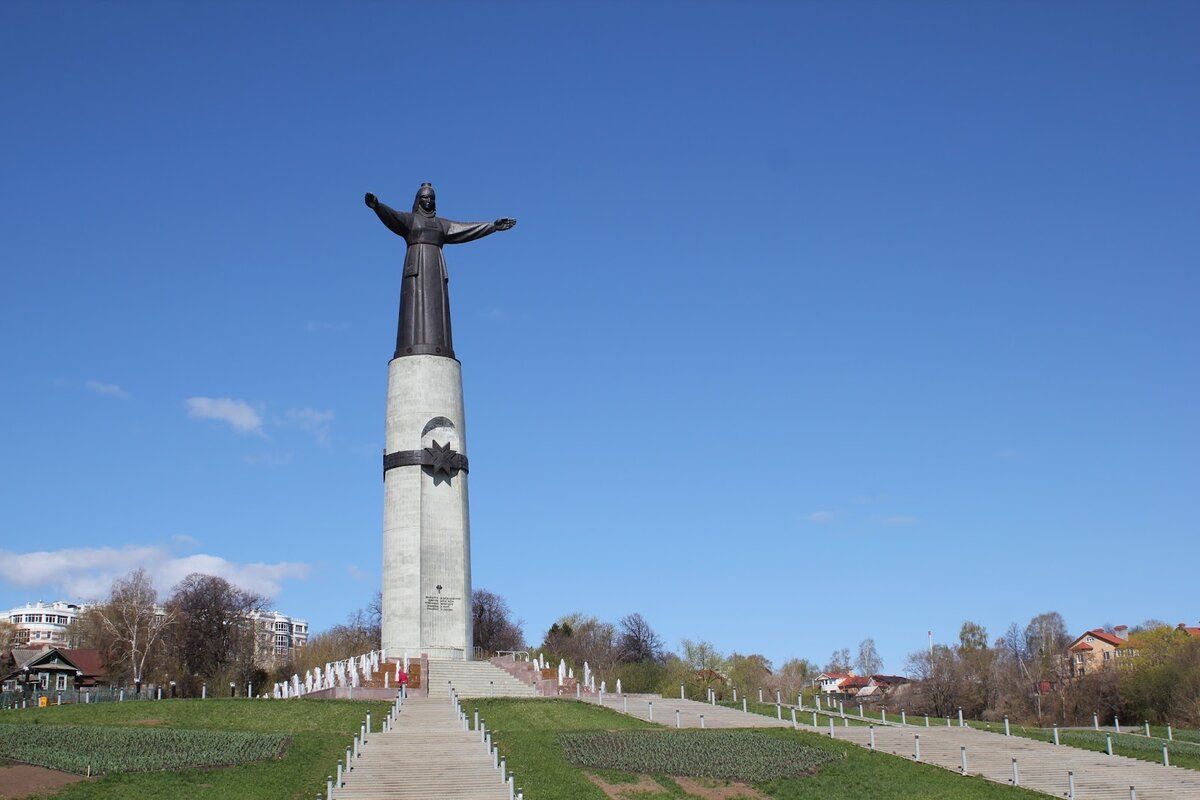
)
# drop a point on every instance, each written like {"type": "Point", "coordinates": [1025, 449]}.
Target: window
{"type": "Point", "coordinates": [1107, 655]}
{"type": "Point", "coordinates": [32, 618]}
{"type": "Point", "coordinates": [45, 677]}
{"type": "Point", "coordinates": [61, 682]}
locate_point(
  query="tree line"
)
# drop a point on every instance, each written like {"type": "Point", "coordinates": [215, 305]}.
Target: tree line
{"type": "Point", "coordinates": [202, 633]}
{"type": "Point", "coordinates": [1026, 675]}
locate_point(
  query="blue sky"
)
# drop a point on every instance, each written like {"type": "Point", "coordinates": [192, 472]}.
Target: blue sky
{"type": "Point", "coordinates": [820, 321]}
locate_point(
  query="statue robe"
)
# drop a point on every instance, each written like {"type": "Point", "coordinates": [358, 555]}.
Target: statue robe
{"type": "Point", "coordinates": [424, 326]}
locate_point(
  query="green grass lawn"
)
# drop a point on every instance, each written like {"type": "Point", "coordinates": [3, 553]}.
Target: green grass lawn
{"type": "Point", "coordinates": [319, 731]}
{"type": "Point", "coordinates": [528, 734]}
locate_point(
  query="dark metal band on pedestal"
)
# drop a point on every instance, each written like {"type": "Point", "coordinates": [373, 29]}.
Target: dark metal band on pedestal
{"type": "Point", "coordinates": [424, 350]}
{"type": "Point", "coordinates": [440, 458]}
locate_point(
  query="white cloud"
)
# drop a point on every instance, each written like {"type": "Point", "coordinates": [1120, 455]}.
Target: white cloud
{"type": "Point", "coordinates": [239, 414]}
{"type": "Point", "coordinates": [106, 389]}
{"type": "Point", "coordinates": [899, 519]}
{"type": "Point", "coordinates": [184, 539]}
{"type": "Point", "coordinates": [820, 517]}
{"type": "Point", "coordinates": [87, 573]}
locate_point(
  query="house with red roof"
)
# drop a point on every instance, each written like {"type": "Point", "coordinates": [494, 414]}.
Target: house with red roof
{"type": "Point", "coordinates": [830, 682]}
{"type": "Point", "coordinates": [1097, 649]}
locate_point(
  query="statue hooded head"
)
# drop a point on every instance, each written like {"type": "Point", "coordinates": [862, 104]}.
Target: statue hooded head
{"type": "Point", "coordinates": [425, 203]}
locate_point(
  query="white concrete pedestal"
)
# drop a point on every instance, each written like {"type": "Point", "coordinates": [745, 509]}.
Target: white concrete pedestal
{"type": "Point", "coordinates": [426, 526]}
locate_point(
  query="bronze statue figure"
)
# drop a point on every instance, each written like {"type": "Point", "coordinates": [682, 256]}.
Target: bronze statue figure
{"type": "Point", "coordinates": [424, 326]}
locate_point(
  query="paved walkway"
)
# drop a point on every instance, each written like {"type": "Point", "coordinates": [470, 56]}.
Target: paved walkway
{"type": "Point", "coordinates": [425, 756]}
{"type": "Point", "coordinates": [1041, 766]}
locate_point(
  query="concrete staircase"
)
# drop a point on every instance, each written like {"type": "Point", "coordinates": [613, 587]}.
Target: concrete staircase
{"type": "Point", "coordinates": [425, 756]}
{"type": "Point", "coordinates": [474, 679]}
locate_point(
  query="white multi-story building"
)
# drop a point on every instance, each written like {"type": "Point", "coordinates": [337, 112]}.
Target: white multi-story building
{"type": "Point", "coordinates": [279, 634]}
{"type": "Point", "coordinates": [44, 623]}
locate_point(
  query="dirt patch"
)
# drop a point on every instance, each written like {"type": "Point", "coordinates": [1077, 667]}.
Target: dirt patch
{"type": "Point", "coordinates": [719, 790]}
{"type": "Point", "coordinates": [695, 787]}
{"type": "Point", "coordinates": [22, 780]}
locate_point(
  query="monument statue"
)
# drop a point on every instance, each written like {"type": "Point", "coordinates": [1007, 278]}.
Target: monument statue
{"type": "Point", "coordinates": [424, 326]}
{"type": "Point", "coordinates": [426, 522]}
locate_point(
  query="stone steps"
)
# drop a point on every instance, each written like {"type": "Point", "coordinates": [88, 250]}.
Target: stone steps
{"type": "Point", "coordinates": [474, 679]}
{"type": "Point", "coordinates": [425, 756]}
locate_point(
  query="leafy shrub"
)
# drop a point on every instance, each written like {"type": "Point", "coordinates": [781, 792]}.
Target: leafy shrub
{"type": "Point", "coordinates": [99, 750]}
{"type": "Point", "coordinates": [728, 755]}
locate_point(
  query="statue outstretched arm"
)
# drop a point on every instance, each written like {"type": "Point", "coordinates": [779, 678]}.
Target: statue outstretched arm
{"type": "Point", "coordinates": [459, 232]}
{"type": "Point", "coordinates": [398, 222]}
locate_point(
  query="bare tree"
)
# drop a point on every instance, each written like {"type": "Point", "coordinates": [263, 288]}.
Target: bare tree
{"type": "Point", "coordinates": [132, 623]}
{"type": "Point", "coordinates": [492, 624]}
{"type": "Point", "coordinates": [8, 636]}
{"type": "Point", "coordinates": [637, 642]}
{"type": "Point", "coordinates": [839, 661]}
{"type": "Point", "coordinates": [215, 636]}
{"type": "Point", "coordinates": [794, 675]}
{"type": "Point", "coordinates": [1046, 638]}
{"type": "Point", "coordinates": [868, 661]}
{"type": "Point", "coordinates": [578, 638]}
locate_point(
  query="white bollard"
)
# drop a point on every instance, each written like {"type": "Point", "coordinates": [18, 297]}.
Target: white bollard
{"type": "Point", "coordinates": [1166, 757]}
{"type": "Point", "coordinates": [677, 723]}
{"type": "Point", "coordinates": [681, 697]}
{"type": "Point", "coordinates": [961, 724]}
{"type": "Point", "coordinates": [814, 719]}
{"type": "Point", "coordinates": [349, 762]}
{"type": "Point", "coordinates": [831, 727]}
{"type": "Point", "coordinates": [651, 710]}
{"type": "Point", "coordinates": [926, 720]}
{"type": "Point", "coordinates": [744, 711]}
{"type": "Point", "coordinates": [962, 758]}
{"type": "Point", "coordinates": [903, 719]}
{"type": "Point", "coordinates": [1016, 778]}
{"type": "Point", "coordinates": [845, 722]}
{"type": "Point", "coordinates": [1108, 743]}
{"type": "Point", "coordinates": [1132, 793]}
{"type": "Point", "coordinates": [860, 709]}
{"type": "Point", "coordinates": [916, 747]}
{"type": "Point", "coordinates": [625, 703]}
{"type": "Point", "coordinates": [1117, 724]}
{"type": "Point", "coordinates": [1170, 734]}
{"type": "Point", "coordinates": [702, 725]}
{"type": "Point", "coordinates": [1147, 727]}
{"type": "Point", "coordinates": [872, 727]}
{"type": "Point", "coordinates": [778, 711]}
{"type": "Point", "coordinates": [1055, 729]}
{"type": "Point", "coordinates": [1095, 722]}
{"type": "Point", "coordinates": [883, 714]}
{"type": "Point", "coordinates": [1070, 785]}
{"type": "Point", "coordinates": [1006, 730]}
{"type": "Point", "coordinates": [793, 718]}
{"type": "Point", "coordinates": [328, 787]}
{"type": "Point", "coordinates": [777, 701]}
{"type": "Point", "coordinates": [339, 784]}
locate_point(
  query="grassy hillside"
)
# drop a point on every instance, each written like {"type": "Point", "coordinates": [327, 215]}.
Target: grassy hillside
{"type": "Point", "coordinates": [528, 733]}
{"type": "Point", "coordinates": [319, 731]}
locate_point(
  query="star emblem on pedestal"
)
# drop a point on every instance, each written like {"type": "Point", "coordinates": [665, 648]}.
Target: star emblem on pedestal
{"type": "Point", "coordinates": [443, 458]}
